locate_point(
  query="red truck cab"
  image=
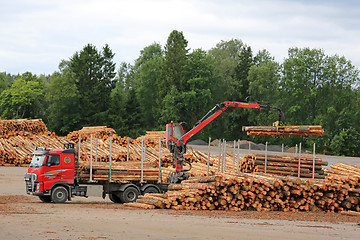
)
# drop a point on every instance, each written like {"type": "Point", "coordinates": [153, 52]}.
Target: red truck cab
{"type": "Point", "coordinates": [51, 174]}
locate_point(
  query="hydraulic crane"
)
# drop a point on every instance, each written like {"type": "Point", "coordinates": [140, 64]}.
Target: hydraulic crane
{"type": "Point", "coordinates": [176, 138]}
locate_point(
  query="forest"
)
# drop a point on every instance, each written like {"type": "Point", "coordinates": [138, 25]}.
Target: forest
{"type": "Point", "coordinates": [175, 83]}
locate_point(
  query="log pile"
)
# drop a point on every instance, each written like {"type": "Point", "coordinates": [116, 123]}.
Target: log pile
{"type": "Point", "coordinates": [283, 130]}
{"type": "Point", "coordinates": [22, 127]}
{"type": "Point", "coordinates": [344, 174]}
{"type": "Point", "coordinates": [18, 139]}
{"type": "Point", "coordinates": [255, 192]}
{"type": "Point", "coordinates": [283, 165]}
{"type": "Point", "coordinates": [126, 171]}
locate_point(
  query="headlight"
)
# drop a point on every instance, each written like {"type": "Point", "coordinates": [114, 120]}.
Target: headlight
{"type": "Point", "coordinates": [30, 177]}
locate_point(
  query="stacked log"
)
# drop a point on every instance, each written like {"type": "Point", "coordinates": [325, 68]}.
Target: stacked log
{"type": "Point", "coordinates": [260, 193]}
{"type": "Point", "coordinates": [283, 165]}
{"type": "Point", "coordinates": [22, 127]}
{"type": "Point", "coordinates": [18, 139]}
{"type": "Point", "coordinates": [283, 130]}
{"type": "Point", "coordinates": [126, 171]}
{"type": "Point", "coordinates": [346, 175]}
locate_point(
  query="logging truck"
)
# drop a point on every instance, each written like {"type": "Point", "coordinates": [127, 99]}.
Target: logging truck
{"type": "Point", "coordinates": [53, 176]}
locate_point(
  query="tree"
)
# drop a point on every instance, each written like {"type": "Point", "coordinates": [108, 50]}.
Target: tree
{"type": "Point", "coordinates": [94, 72]}
{"type": "Point", "coordinates": [233, 60]}
{"type": "Point", "coordinates": [147, 72]}
{"type": "Point", "coordinates": [63, 98]}
{"type": "Point", "coordinates": [24, 99]}
{"type": "Point", "coordinates": [175, 59]}
{"type": "Point", "coordinates": [199, 85]}
{"type": "Point", "coordinates": [318, 89]}
{"type": "Point", "coordinates": [264, 79]}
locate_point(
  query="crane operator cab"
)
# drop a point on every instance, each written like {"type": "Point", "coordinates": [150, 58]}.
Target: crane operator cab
{"type": "Point", "coordinates": [176, 145]}
{"type": "Point", "coordinates": [174, 132]}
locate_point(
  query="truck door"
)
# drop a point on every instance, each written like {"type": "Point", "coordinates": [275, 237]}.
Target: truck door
{"type": "Point", "coordinates": [52, 171]}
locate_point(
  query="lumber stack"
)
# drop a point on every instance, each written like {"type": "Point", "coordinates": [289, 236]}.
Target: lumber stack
{"type": "Point", "coordinates": [255, 192]}
{"type": "Point", "coordinates": [283, 165]}
{"type": "Point", "coordinates": [303, 130]}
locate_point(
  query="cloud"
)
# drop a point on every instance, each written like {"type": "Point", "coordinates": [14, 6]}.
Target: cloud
{"type": "Point", "coordinates": [37, 35]}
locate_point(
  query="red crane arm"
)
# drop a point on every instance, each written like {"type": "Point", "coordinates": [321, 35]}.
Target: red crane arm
{"type": "Point", "coordinates": [210, 116]}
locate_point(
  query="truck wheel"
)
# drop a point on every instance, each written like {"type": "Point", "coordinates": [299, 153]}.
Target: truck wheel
{"type": "Point", "coordinates": [59, 195]}
{"type": "Point", "coordinates": [114, 198]}
{"type": "Point", "coordinates": [45, 199]}
{"type": "Point", "coordinates": [129, 195]}
{"type": "Point", "coordinates": [151, 190]}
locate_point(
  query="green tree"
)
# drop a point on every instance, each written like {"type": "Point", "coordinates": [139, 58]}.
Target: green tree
{"type": "Point", "coordinates": [94, 72]}
{"type": "Point", "coordinates": [233, 60]}
{"type": "Point", "coordinates": [318, 89]}
{"type": "Point", "coordinates": [264, 79]}
{"type": "Point", "coordinates": [147, 72]}
{"type": "Point", "coordinates": [63, 98]}
{"type": "Point", "coordinates": [24, 99]}
{"type": "Point", "coordinates": [174, 62]}
{"type": "Point", "coordinates": [199, 84]}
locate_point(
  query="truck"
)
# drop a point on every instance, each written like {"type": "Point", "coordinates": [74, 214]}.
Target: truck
{"type": "Point", "coordinates": [53, 174]}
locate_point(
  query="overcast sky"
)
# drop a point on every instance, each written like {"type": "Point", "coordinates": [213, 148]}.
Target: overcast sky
{"type": "Point", "coordinates": [35, 35]}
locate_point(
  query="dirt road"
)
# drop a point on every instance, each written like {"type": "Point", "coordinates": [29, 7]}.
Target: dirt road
{"type": "Point", "coordinates": [25, 217]}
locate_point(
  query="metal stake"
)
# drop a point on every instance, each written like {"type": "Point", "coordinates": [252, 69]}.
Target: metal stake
{"type": "Point", "coordinates": [127, 150]}
{"type": "Point", "coordinates": [142, 159]}
{"type": "Point", "coordinates": [299, 160]}
{"type": "Point", "coordinates": [208, 161]}
{"type": "Point", "coordinates": [96, 150]}
{"type": "Point", "coordinates": [219, 156]}
{"type": "Point", "coordinates": [234, 156]}
{"type": "Point", "coordinates": [110, 159]}
{"type": "Point", "coordinates": [224, 165]}
{"type": "Point", "coordinates": [266, 156]}
{"type": "Point", "coordinates": [313, 167]}
{"type": "Point", "coordinates": [159, 180]}
{"type": "Point", "coordinates": [91, 156]}
{"type": "Point", "coordinates": [238, 159]}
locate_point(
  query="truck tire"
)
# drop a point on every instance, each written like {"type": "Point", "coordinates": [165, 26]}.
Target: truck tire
{"type": "Point", "coordinates": [59, 194]}
{"type": "Point", "coordinates": [130, 194]}
{"type": "Point", "coordinates": [45, 199]}
{"type": "Point", "coordinates": [151, 190]}
{"type": "Point", "coordinates": [114, 198]}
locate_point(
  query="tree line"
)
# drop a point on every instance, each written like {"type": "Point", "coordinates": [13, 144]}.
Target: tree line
{"type": "Point", "coordinates": [174, 83]}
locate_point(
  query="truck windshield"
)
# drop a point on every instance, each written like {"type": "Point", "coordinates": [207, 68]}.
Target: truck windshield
{"type": "Point", "coordinates": [37, 161]}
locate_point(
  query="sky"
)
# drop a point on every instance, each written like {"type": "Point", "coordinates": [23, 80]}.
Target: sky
{"type": "Point", "coordinates": [36, 35]}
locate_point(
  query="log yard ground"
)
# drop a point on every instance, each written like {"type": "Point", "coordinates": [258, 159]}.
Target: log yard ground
{"type": "Point", "coordinates": [26, 217]}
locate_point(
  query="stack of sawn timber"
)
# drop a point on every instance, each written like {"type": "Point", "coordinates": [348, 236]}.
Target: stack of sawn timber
{"type": "Point", "coordinates": [254, 192]}
{"type": "Point", "coordinates": [283, 165]}
{"type": "Point", "coordinates": [303, 130]}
